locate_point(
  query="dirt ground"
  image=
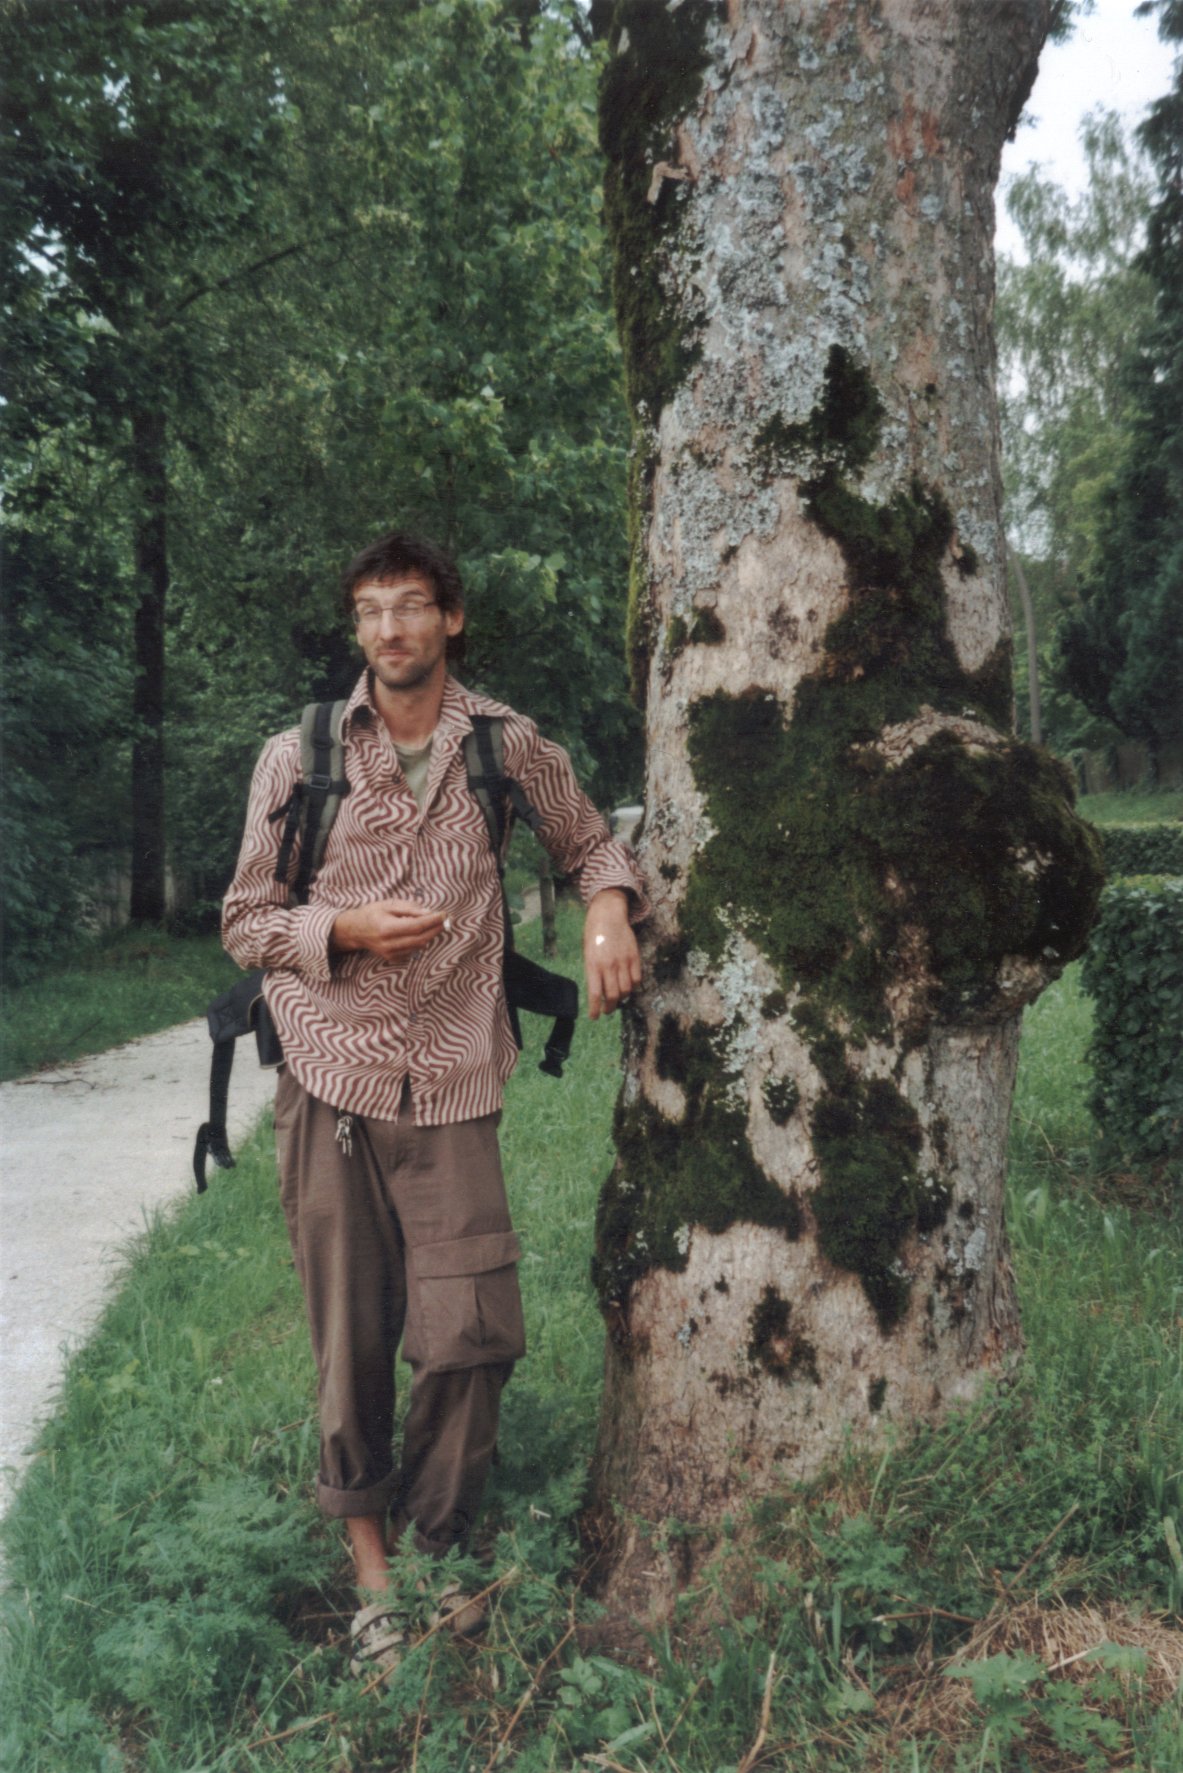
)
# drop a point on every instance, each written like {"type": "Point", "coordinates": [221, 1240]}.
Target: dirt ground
{"type": "Point", "coordinates": [87, 1150]}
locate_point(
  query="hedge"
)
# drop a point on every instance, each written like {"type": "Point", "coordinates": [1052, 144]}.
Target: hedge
{"type": "Point", "coordinates": [1143, 849]}
{"type": "Point", "coordinates": [1134, 971]}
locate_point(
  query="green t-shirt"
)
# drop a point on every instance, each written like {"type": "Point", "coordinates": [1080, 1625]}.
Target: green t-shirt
{"type": "Point", "coordinates": [414, 767]}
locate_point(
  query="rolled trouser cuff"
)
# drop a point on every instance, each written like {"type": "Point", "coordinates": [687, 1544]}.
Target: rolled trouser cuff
{"type": "Point", "coordinates": [343, 1504]}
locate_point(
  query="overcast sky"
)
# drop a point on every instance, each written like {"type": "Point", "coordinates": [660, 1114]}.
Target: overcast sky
{"type": "Point", "coordinates": [1111, 59]}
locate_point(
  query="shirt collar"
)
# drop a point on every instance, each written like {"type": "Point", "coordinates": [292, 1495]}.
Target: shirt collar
{"type": "Point", "coordinates": [454, 716]}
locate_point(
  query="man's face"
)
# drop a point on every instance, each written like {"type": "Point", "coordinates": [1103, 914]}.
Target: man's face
{"type": "Point", "coordinates": [403, 632]}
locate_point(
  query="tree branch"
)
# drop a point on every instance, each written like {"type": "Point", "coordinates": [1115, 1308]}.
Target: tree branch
{"type": "Point", "coordinates": [246, 271]}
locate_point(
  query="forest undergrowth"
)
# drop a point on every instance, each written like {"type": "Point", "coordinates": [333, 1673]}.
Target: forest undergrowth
{"type": "Point", "coordinates": [1000, 1592]}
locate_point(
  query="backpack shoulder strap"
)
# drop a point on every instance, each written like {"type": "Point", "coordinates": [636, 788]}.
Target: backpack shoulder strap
{"type": "Point", "coordinates": [316, 797]}
{"type": "Point", "coordinates": [527, 985]}
{"type": "Point", "coordinates": [484, 760]}
{"type": "Point", "coordinates": [322, 764]}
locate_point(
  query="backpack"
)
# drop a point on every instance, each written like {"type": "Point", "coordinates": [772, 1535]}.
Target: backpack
{"type": "Point", "coordinates": [309, 816]}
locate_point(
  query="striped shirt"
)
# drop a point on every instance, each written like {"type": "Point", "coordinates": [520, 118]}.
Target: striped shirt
{"type": "Point", "coordinates": [353, 1026]}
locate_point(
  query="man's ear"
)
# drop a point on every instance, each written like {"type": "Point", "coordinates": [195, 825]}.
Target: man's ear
{"type": "Point", "coordinates": [453, 622]}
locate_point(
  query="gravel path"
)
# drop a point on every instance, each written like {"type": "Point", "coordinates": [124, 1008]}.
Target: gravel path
{"type": "Point", "coordinates": [86, 1151]}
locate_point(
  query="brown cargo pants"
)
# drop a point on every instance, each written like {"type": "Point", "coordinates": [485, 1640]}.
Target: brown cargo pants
{"type": "Point", "coordinates": [402, 1231]}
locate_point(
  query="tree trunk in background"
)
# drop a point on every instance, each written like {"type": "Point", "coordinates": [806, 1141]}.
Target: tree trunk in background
{"type": "Point", "coordinates": [147, 757]}
{"type": "Point", "coordinates": [1032, 655]}
{"type": "Point", "coordinates": [859, 876]}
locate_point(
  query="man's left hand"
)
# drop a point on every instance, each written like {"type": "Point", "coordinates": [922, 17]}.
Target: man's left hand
{"type": "Point", "coordinates": [611, 958]}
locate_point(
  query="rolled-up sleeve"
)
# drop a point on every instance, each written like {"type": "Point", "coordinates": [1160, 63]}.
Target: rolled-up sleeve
{"type": "Point", "coordinates": [259, 927]}
{"type": "Point", "coordinates": [573, 831]}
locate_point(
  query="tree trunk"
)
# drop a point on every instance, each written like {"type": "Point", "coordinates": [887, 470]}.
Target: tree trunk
{"type": "Point", "coordinates": [858, 875]}
{"type": "Point", "coordinates": [147, 756]}
{"type": "Point", "coordinates": [1032, 655]}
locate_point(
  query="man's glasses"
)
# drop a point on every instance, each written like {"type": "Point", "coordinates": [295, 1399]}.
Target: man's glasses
{"type": "Point", "coordinates": [410, 610]}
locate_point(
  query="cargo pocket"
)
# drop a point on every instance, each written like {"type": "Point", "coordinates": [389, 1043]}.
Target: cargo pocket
{"type": "Point", "coordinates": [465, 1304]}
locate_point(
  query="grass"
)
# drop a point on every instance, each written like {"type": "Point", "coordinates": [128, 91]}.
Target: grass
{"type": "Point", "coordinates": [1132, 806]}
{"type": "Point", "coordinates": [176, 1604]}
{"type": "Point", "coordinates": [106, 991]}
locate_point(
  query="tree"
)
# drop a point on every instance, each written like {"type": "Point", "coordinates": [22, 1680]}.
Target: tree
{"type": "Point", "coordinates": [1120, 650]}
{"type": "Point", "coordinates": [411, 324]}
{"type": "Point", "coordinates": [1065, 320]}
{"type": "Point", "coordinates": [859, 875]}
{"type": "Point", "coordinates": [139, 139]}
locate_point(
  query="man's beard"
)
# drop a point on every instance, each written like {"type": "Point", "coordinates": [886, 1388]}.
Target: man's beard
{"type": "Point", "coordinates": [407, 673]}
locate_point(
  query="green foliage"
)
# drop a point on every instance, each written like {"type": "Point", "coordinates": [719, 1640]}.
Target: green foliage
{"type": "Point", "coordinates": [1132, 806]}
{"type": "Point", "coordinates": [1005, 1688]}
{"type": "Point", "coordinates": [1134, 971]}
{"type": "Point", "coordinates": [1120, 649]}
{"type": "Point", "coordinates": [1064, 320]}
{"type": "Point", "coordinates": [1143, 849]}
{"type": "Point", "coordinates": [1078, 379]}
{"type": "Point", "coordinates": [174, 1599]}
{"type": "Point", "coordinates": [343, 279]}
{"type": "Point", "coordinates": [107, 990]}
{"type": "Point", "coordinates": [61, 729]}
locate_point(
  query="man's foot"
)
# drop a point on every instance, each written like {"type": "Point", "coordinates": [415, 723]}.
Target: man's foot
{"type": "Point", "coordinates": [377, 1639]}
{"type": "Point", "coordinates": [460, 1613]}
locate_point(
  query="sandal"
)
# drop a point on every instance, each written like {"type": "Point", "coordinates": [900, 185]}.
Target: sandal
{"type": "Point", "coordinates": [377, 1641]}
{"type": "Point", "coordinates": [463, 1616]}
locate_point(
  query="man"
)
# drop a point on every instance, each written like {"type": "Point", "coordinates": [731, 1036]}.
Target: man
{"type": "Point", "coordinates": [386, 991]}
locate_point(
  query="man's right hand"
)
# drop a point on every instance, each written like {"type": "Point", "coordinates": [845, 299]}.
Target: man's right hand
{"type": "Point", "coordinates": [390, 928]}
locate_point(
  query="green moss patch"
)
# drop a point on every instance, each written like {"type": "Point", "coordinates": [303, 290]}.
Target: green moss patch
{"type": "Point", "coordinates": [673, 1175]}
{"type": "Point", "coordinates": [773, 1345]}
{"type": "Point", "coordinates": [781, 1097]}
{"type": "Point", "coordinates": [825, 856]}
{"type": "Point", "coordinates": [706, 629]}
{"type": "Point", "coordinates": [824, 853]}
{"type": "Point", "coordinates": [867, 1139]}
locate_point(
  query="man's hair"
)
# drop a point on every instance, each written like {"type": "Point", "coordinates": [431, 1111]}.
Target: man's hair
{"type": "Point", "coordinates": [399, 553]}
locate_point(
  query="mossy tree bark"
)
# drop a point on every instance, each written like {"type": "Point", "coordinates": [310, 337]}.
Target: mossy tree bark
{"type": "Point", "coordinates": [859, 875]}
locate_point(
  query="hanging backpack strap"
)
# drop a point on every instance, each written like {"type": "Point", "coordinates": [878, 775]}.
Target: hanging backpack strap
{"type": "Point", "coordinates": [307, 814]}
{"type": "Point", "coordinates": [236, 1012]}
{"type": "Point", "coordinates": [527, 985]}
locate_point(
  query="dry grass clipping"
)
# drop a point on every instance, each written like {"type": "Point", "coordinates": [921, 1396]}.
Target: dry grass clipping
{"type": "Point", "coordinates": [932, 1704]}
